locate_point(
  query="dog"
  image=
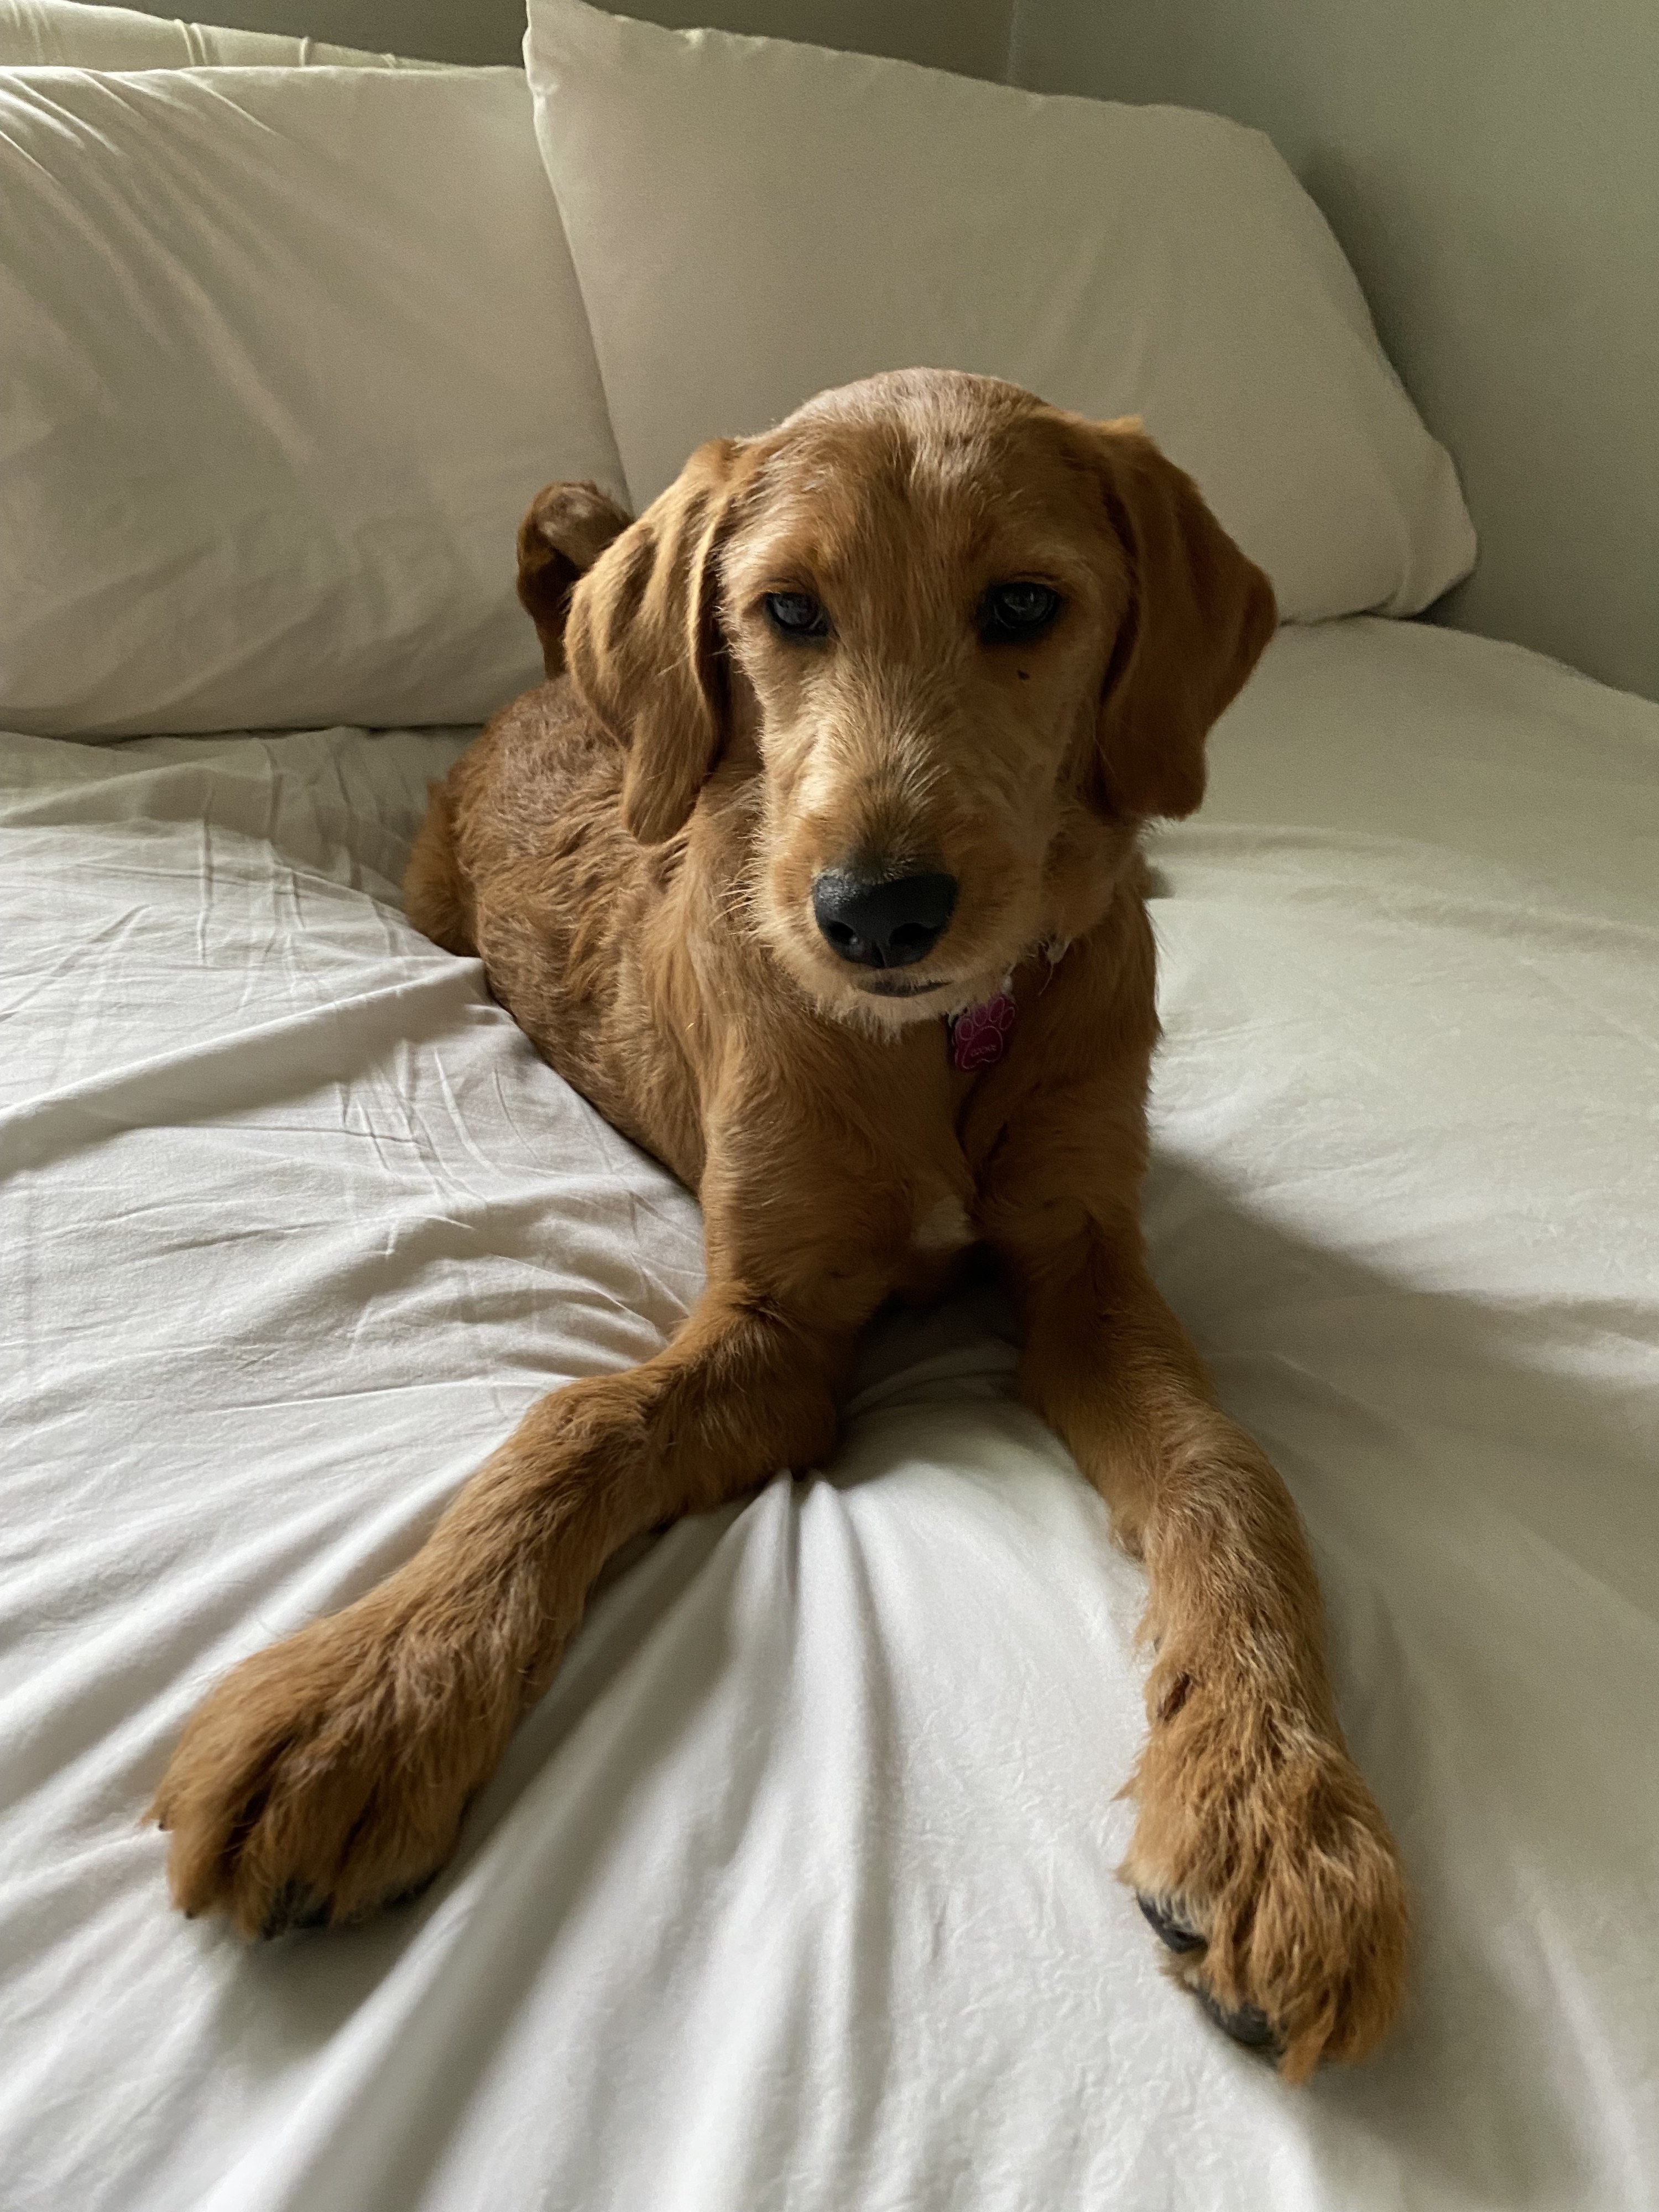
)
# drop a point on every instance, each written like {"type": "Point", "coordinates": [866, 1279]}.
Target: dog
{"type": "Point", "coordinates": [815, 866]}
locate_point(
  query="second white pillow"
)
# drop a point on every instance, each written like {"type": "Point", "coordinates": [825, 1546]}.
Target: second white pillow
{"type": "Point", "coordinates": [753, 221]}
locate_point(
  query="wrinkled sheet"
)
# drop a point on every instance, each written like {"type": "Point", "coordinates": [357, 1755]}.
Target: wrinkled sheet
{"type": "Point", "coordinates": [796, 1890]}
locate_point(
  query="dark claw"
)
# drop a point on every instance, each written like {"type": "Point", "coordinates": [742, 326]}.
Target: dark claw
{"type": "Point", "coordinates": [296, 1905]}
{"type": "Point", "coordinates": [1248, 2025]}
{"type": "Point", "coordinates": [1167, 1929]}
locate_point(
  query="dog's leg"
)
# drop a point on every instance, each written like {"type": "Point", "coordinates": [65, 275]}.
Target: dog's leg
{"type": "Point", "coordinates": [1258, 1855]}
{"type": "Point", "coordinates": [328, 1775]}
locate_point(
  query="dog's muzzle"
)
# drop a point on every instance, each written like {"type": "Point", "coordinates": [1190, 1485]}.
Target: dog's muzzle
{"type": "Point", "coordinates": [883, 924]}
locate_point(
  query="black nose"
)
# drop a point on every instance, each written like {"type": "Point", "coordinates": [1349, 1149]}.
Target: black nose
{"type": "Point", "coordinates": [882, 925]}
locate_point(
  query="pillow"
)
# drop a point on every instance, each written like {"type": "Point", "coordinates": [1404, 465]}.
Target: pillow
{"type": "Point", "coordinates": [52, 32]}
{"type": "Point", "coordinates": [753, 221]}
{"type": "Point", "coordinates": [286, 355]}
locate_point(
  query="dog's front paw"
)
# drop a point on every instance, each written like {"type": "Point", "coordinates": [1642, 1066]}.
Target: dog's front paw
{"type": "Point", "coordinates": [1266, 1869]}
{"type": "Point", "coordinates": [327, 1776]}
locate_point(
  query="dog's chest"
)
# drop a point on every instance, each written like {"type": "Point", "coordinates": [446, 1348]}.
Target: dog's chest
{"type": "Point", "coordinates": [943, 1174]}
{"type": "Point", "coordinates": [942, 1229]}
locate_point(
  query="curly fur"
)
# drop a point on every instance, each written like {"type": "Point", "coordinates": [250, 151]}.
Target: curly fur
{"type": "Point", "coordinates": [631, 848]}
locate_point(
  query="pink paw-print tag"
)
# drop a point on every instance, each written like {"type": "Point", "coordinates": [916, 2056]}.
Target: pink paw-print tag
{"type": "Point", "coordinates": [979, 1037]}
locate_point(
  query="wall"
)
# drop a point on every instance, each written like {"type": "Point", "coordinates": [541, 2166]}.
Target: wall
{"type": "Point", "coordinates": [425, 30]}
{"type": "Point", "coordinates": [970, 35]}
{"type": "Point", "coordinates": [1491, 168]}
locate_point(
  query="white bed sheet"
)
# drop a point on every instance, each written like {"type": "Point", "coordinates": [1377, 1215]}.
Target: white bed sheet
{"type": "Point", "coordinates": [796, 1890]}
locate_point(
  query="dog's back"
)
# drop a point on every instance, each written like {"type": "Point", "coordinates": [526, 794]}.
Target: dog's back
{"type": "Point", "coordinates": [523, 863]}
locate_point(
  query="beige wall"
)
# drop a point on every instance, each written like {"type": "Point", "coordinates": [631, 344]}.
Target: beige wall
{"type": "Point", "coordinates": [425, 30]}
{"type": "Point", "coordinates": [970, 35]}
{"type": "Point", "coordinates": [1491, 168]}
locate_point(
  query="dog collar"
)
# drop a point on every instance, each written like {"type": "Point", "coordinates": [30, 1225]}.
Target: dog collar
{"type": "Point", "coordinates": [979, 1035]}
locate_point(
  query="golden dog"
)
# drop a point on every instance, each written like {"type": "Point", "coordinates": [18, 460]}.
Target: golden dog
{"type": "Point", "coordinates": [817, 872]}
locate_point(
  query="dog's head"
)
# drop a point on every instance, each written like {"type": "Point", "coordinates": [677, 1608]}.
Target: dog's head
{"type": "Point", "coordinates": [950, 646]}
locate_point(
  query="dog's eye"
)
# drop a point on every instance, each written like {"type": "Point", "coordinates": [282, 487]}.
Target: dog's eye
{"type": "Point", "coordinates": [1016, 610]}
{"type": "Point", "coordinates": [797, 614]}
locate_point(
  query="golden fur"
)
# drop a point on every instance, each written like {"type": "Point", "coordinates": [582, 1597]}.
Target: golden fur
{"type": "Point", "coordinates": [631, 849]}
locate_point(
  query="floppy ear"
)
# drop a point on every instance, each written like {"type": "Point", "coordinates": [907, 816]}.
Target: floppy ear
{"type": "Point", "coordinates": [1199, 616]}
{"type": "Point", "coordinates": [644, 645]}
{"type": "Point", "coordinates": [567, 528]}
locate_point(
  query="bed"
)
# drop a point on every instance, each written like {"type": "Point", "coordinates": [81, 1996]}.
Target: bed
{"type": "Point", "coordinates": [795, 1894]}
{"type": "Point", "coordinates": [797, 1889]}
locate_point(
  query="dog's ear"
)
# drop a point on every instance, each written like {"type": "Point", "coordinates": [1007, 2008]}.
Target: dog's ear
{"type": "Point", "coordinates": [1198, 618]}
{"type": "Point", "coordinates": [567, 528]}
{"type": "Point", "coordinates": [644, 645]}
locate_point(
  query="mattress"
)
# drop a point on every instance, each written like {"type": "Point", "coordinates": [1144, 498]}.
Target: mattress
{"type": "Point", "coordinates": [796, 1890]}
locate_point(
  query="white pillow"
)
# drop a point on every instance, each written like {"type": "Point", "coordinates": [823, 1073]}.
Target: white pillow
{"type": "Point", "coordinates": [753, 220]}
{"type": "Point", "coordinates": [286, 353]}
